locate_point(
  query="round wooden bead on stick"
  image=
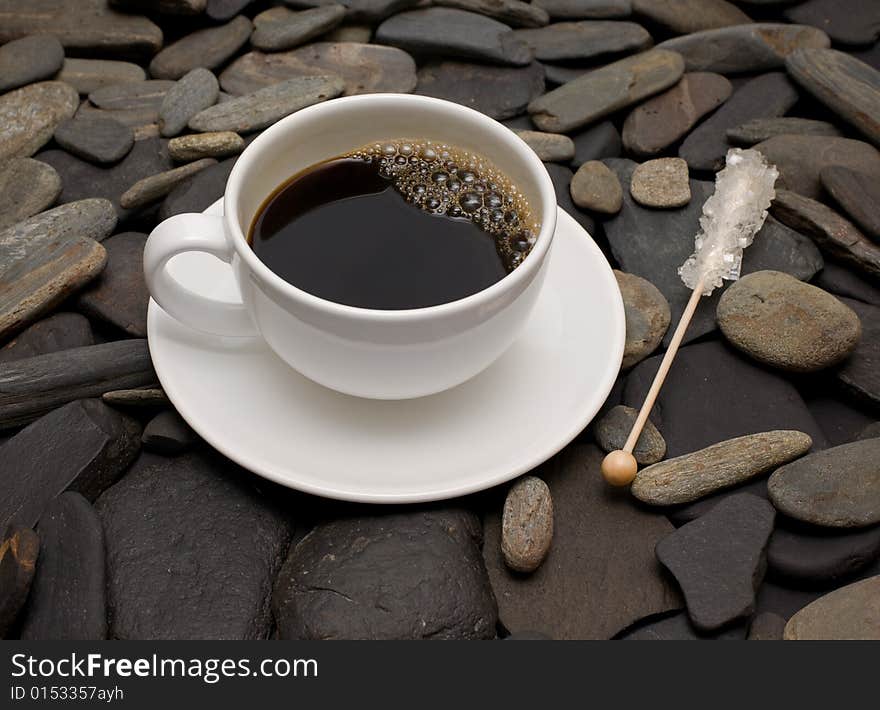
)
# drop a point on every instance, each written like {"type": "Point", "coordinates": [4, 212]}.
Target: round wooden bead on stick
{"type": "Point", "coordinates": [731, 217]}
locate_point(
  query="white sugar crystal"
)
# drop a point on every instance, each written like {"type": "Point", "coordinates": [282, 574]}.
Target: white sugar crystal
{"type": "Point", "coordinates": [731, 217]}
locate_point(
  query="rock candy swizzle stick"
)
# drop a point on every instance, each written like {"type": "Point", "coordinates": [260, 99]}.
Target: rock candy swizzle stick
{"type": "Point", "coordinates": [731, 217]}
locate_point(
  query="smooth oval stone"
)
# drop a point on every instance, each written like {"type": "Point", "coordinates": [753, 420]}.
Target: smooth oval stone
{"type": "Point", "coordinates": [19, 551]}
{"type": "Point", "coordinates": [835, 236]}
{"type": "Point", "coordinates": [511, 12]}
{"type": "Point", "coordinates": [785, 323]}
{"type": "Point", "coordinates": [722, 465]}
{"type": "Point", "coordinates": [100, 140]}
{"type": "Point", "coordinates": [551, 147]}
{"type": "Point", "coordinates": [61, 331]}
{"type": "Point", "coordinates": [719, 559]}
{"type": "Point", "coordinates": [527, 524]}
{"type": "Point", "coordinates": [154, 187]}
{"type": "Point", "coordinates": [818, 555]}
{"type": "Point", "coordinates": [262, 108]}
{"type": "Point", "coordinates": [605, 90]}
{"type": "Point", "coordinates": [595, 187]}
{"type": "Point", "coordinates": [662, 120]}
{"type": "Point", "coordinates": [67, 600]}
{"type": "Point", "coordinates": [857, 193]}
{"type": "Point", "coordinates": [851, 613]}
{"type": "Point", "coordinates": [29, 116]}
{"type": "Point", "coordinates": [661, 183]}
{"type": "Point", "coordinates": [565, 41]}
{"type": "Point", "coordinates": [454, 33]}
{"type": "Point", "coordinates": [853, 22]}
{"type": "Point", "coordinates": [140, 120]}
{"type": "Point", "coordinates": [207, 48]}
{"type": "Point", "coordinates": [87, 26]}
{"type": "Point", "coordinates": [296, 28]}
{"type": "Point", "coordinates": [836, 488]}
{"type": "Point", "coordinates": [847, 86]}
{"type": "Point", "coordinates": [364, 68]}
{"type": "Point", "coordinates": [585, 9]}
{"type": "Point", "coordinates": [131, 95]}
{"type": "Point", "coordinates": [27, 187]}
{"type": "Point", "coordinates": [764, 96]}
{"type": "Point", "coordinates": [612, 431]}
{"type": "Point", "coordinates": [88, 75]}
{"type": "Point", "coordinates": [647, 318]}
{"type": "Point", "coordinates": [194, 92]}
{"type": "Point", "coordinates": [685, 16]}
{"type": "Point", "coordinates": [138, 398]}
{"type": "Point", "coordinates": [744, 48]}
{"type": "Point", "coordinates": [762, 129]}
{"type": "Point", "coordinates": [205, 145]}
{"type": "Point", "coordinates": [29, 59]}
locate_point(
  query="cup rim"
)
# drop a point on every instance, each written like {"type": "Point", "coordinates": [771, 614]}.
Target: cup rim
{"type": "Point", "coordinates": [518, 277]}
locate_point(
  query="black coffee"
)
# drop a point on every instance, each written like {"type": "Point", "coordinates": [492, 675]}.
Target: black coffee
{"type": "Point", "coordinates": [404, 224]}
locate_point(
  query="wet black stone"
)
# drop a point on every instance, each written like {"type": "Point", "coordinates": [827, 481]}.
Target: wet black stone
{"type": "Point", "coordinates": [67, 600]}
{"type": "Point", "coordinates": [401, 575]}
{"type": "Point", "coordinates": [167, 433]}
{"type": "Point", "coordinates": [192, 548]}
{"type": "Point", "coordinates": [859, 374]}
{"type": "Point", "coordinates": [83, 446]}
{"type": "Point", "coordinates": [719, 559]}
{"type": "Point", "coordinates": [61, 331]}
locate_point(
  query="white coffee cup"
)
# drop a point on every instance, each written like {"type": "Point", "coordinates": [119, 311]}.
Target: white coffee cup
{"type": "Point", "coordinates": [358, 351]}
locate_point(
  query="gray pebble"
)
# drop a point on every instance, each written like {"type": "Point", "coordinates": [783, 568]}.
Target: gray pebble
{"type": "Point", "coordinates": [167, 433]}
{"type": "Point", "coordinates": [27, 187]}
{"type": "Point", "coordinates": [527, 524]}
{"type": "Point", "coordinates": [205, 145]}
{"type": "Point", "coordinates": [194, 92]}
{"type": "Point", "coordinates": [154, 187]}
{"type": "Point", "coordinates": [29, 116]}
{"type": "Point", "coordinates": [595, 187]}
{"type": "Point", "coordinates": [97, 139]}
{"type": "Point", "coordinates": [549, 147]}
{"type": "Point", "coordinates": [612, 431]}
{"type": "Point", "coordinates": [207, 48]}
{"type": "Point", "coordinates": [662, 183]}
{"type": "Point", "coordinates": [88, 75]}
{"type": "Point", "coordinates": [295, 28]}
{"type": "Point", "coordinates": [578, 41]}
{"type": "Point", "coordinates": [761, 129]}
{"type": "Point", "coordinates": [647, 317]}
{"type": "Point", "coordinates": [29, 59]}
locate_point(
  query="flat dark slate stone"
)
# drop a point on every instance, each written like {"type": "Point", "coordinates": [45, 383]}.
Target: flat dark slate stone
{"type": "Point", "coordinates": [600, 575]}
{"type": "Point", "coordinates": [194, 92]}
{"type": "Point", "coordinates": [167, 576]}
{"type": "Point", "coordinates": [61, 331]}
{"type": "Point", "coordinates": [225, 9]}
{"type": "Point", "coordinates": [860, 374]}
{"type": "Point", "coordinates": [764, 96]}
{"type": "Point", "coordinates": [719, 559]}
{"type": "Point", "coordinates": [87, 75]}
{"type": "Point", "coordinates": [82, 179]}
{"type": "Point", "coordinates": [119, 295]}
{"type": "Point", "coordinates": [595, 143]}
{"type": "Point", "coordinates": [567, 41]}
{"type": "Point", "coordinates": [99, 140]}
{"type": "Point", "coordinates": [67, 600]}
{"type": "Point", "coordinates": [131, 95]}
{"type": "Point", "coordinates": [19, 548]}
{"type": "Point", "coordinates": [88, 26]}
{"type": "Point", "coordinates": [857, 193]}
{"type": "Point", "coordinates": [744, 48]}
{"type": "Point", "coordinates": [36, 385]}
{"type": "Point", "coordinates": [27, 187]}
{"type": "Point", "coordinates": [837, 488]}
{"type": "Point", "coordinates": [454, 33]}
{"type": "Point", "coordinates": [83, 446]}
{"type": "Point", "coordinates": [851, 22]}
{"type": "Point", "coordinates": [167, 433]}
{"type": "Point", "coordinates": [295, 28]}
{"type": "Point", "coordinates": [198, 192]}
{"type": "Point", "coordinates": [761, 129]}
{"type": "Point", "coordinates": [654, 243]}
{"type": "Point", "coordinates": [29, 59]}
{"type": "Point", "coordinates": [499, 92]}
{"type": "Point", "coordinates": [847, 86]}
{"type": "Point", "coordinates": [811, 555]}
{"type": "Point", "coordinates": [845, 282]}
{"type": "Point", "coordinates": [398, 575]}
{"type": "Point", "coordinates": [679, 628]}
{"type": "Point", "coordinates": [208, 48]}
{"type": "Point", "coordinates": [687, 412]}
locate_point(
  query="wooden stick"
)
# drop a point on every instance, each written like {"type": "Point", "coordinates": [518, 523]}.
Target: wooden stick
{"type": "Point", "coordinates": [620, 467]}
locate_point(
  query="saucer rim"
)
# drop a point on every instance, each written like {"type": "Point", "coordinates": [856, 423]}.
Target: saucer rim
{"type": "Point", "coordinates": [288, 477]}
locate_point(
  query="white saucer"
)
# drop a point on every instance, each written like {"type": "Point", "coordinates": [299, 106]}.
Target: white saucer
{"type": "Point", "coordinates": [537, 397]}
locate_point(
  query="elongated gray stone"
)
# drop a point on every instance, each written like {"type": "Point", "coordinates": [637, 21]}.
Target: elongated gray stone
{"type": "Point", "coordinates": [857, 193]}
{"type": "Point", "coordinates": [29, 59]}
{"type": "Point", "coordinates": [99, 140]}
{"type": "Point", "coordinates": [585, 9]}
{"type": "Point", "coordinates": [606, 90]}
{"type": "Point", "coordinates": [511, 12]}
{"type": "Point", "coordinates": [837, 487]}
{"type": "Point", "coordinates": [36, 385]}
{"type": "Point", "coordinates": [722, 465]}
{"type": "Point", "coordinates": [49, 256]}
{"type": "Point", "coordinates": [88, 26]}
{"type": "Point", "coordinates": [552, 147]}
{"type": "Point", "coordinates": [761, 129]}
{"type": "Point", "coordinates": [83, 446]}
{"type": "Point", "coordinates": [744, 48]}
{"type": "Point", "coordinates": [138, 398]}
{"type": "Point", "coordinates": [262, 108]}
{"type": "Point", "coordinates": [29, 116]}
{"type": "Point", "coordinates": [684, 16]}
{"type": "Point", "coordinates": [67, 600]}
{"type": "Point", "coordinates": [131, 95]}
{"type": "Point", "coordinates": [207, 48]}
{"type": "Point", "coordinates": [26, 187]}
{"type": "Point", "coordinates": [447, 32]}
{"type": "Point", "coordinates": [88, 75]}
{"type": "Point", "coordinates": [365, 68]}
{"type": "Point", "coordinates": [152, 188]}
{"type": "Point", "coordinates": [851, 613]}
{"type": "Point", "coordinates": [849, 87]}
{"type": "Point", "coordinates": [362, 11]}
{"type": "Point", "coordinates": [205, 145]}
{"type": "Point", "coordinates": [296, 28]}
{"type": "Point", "coordinates": [566, 41]}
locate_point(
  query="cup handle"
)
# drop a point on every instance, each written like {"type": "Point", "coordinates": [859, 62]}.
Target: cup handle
{"type": "Point", "coordinates": [186, 233]}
